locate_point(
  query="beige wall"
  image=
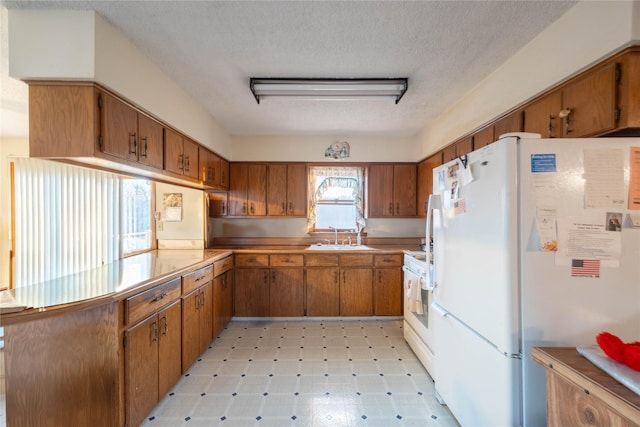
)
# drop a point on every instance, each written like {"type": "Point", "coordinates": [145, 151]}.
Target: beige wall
{"type": "Point", "coordinates": [8, 148]}
{"type": "Point", "coordinates": [311, 149]}
{"type": "Point", "coordinates": [83, 46]}
{"type": "Point", "coordinates": [588, 32]}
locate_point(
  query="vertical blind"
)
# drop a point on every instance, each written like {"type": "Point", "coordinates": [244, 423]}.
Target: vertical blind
{"type": "Point", "coordinates": [66, 219]}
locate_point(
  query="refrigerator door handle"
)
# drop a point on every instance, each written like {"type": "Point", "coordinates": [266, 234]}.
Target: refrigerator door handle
{"type": "Point", "coordinates": [439, 309]}
{"type": "Point", "coordinates": [433, 204]}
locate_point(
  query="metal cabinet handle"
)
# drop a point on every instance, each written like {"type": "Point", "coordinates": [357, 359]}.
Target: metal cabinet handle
{"type": "Point", "coordinates": [397, 208]}
{"type": "Point", "coordinates": [181, 162]}
{"type": "Point", "coordinates": [144, 153]}
{"type": "Point", "coordinates": [154, 331]}
{"type": "Point", "coordinates": [165, 326]}
{"type": "Point", "coordinates": [133, 143]}
{"type": "Point", "coordinates": [391, 208]}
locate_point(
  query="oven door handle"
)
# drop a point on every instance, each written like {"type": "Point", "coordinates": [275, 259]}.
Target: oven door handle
{"type": "Point", "coordinates": [433, 205]}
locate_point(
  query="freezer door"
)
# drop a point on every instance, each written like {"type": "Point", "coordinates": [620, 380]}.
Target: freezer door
{"type": "Point", "coordinates": [480, 386]}
{"type": "Point", "coordinates": [475, 248]}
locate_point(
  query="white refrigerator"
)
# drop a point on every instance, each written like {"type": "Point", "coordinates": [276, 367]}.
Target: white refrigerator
{"type": "Point", "coordinates": [536, 243]}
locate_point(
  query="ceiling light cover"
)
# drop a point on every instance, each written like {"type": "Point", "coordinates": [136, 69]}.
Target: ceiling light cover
{"type": "Point", "coordinates": [328, 88]}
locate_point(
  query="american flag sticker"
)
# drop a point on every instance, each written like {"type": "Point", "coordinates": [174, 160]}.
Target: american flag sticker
{"type": "Point", "coordinates": [459, 206]}
{"type": "Point", "coordinates": [585, 268]}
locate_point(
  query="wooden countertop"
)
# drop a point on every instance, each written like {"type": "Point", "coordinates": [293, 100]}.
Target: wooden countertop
{"type": "Point", "coordinates": [567, 362]}
{"type": "Point", "coordinates": [111, 282]}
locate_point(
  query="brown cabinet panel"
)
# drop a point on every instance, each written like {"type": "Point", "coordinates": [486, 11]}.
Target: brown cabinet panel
{"type": "Point", "coordinates": [148, 302]}
{"type": "Point", "coordinates": [356, 260]}
{"type": "Point", "coordinates": [322, 260]}
{"type": "Point", "coordinates": [169, 348]}
{"type": "Point", "coordinates": [297, 190]}
{"type": "Point", "coordinates": [248, 189]}
{"type": "Point", "coordinates": [483, 137]}
{"type": "Point", "coordinates": [514, 122]}
{"type": "Point", "coordinates": [224, 173]}
{"type": "Point", "coordinates": [222, 301]}
{"type": "Point", "coordinates": [196, 278]}
{"type": "Point", "coordinates": [286, 260]}
{"type": "Point", "coordinates": [404, 190]}
{"type": "Point", "coordinates": [251, 292]}
{"type": "Point", "coordinates": [541, 116]}
{"type": "Point", "coordinates": [286, 189]}
{"type": "Point", "coordinates": [380, 189]}
{"type": "Point", "coordinates": [387, 292]}
{"type": "Point", "coordinates": [190, 151]}
{"type": "Point", "coordinates": [323, 292]}
{"type": "Point", "coordinates": [222, 266]}
{"type": "Point", "coordinates": [252, 260]}
{"type": "Point", "coordinates": [425, 181]}
{"type": "Point", "coordinates": [150, 142]}
{"type": "Point", "coordinates": [356, 292]}
{"type": "Point", "coordinates": [277, 190]}
{"type": "Point", "coordinates": [197, 323]}
{"type": "Point", "coordinates": [173, 152]}
{"type": "Point", "coordinates": [592, 102]}
{"type": "Point", "coordinates": [457, 149]}
{"type": "Point", "coordinates": [119, 128]}
{"type": "Point", "coordinates": [388, 260]}
{"type": "Point", "coordinates": [141, 369]}
{"type": "Point", "coordinates": [286, 292]}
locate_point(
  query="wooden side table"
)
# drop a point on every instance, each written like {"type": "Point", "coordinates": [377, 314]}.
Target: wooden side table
{"type": "Point", "coordinates": [581, 394]}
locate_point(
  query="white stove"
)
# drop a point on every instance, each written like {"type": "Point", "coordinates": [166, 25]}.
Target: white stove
{"type": "Point", "coordinates": [417, 313]}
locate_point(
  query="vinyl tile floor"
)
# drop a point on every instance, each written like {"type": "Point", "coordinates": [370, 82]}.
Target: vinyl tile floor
{"type": "Point", "coordinates": [308, 373]}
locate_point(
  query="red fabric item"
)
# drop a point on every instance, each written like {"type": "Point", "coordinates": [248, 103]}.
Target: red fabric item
{"type": "Point", "coordinates": [615, 348]}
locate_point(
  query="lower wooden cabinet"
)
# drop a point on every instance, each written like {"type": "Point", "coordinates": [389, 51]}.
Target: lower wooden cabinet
{"type": "Point", "coordinates": [323, 291]}
{"type": "Point", "coordinates": [152, 361]}
{"type": "Point", "coordinates": [222, 301]}
{"type": "Point", "coordinates": [197, 323]}
{"type": "Point", "coordinates": [251, 292]}
{"type": "Point", "coordinates": [286, 292]}
{"type": "Point", "coordinates": [356, 292]}
{"type": "Point", "coordinates": [387, 292]}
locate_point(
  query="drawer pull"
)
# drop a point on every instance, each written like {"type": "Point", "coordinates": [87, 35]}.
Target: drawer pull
{"type": "Point", "coordinates": [159, 297]}
{"type": "Point", "coordinates": [200, 278]}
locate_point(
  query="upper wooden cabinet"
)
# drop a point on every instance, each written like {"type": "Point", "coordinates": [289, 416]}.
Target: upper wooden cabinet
{"type": "Point", "coordinates": [513, 122]}
{"type": "Point", "coordinates": [129, 134]}
{"type": "Point", "coordinates": [484, 137]}
{"type": "Point", "coordinates": [392, 190]}
{"type": "Point", "coordinates": [180, 154]}
{"type": "Point", "coordinates": [541, 116]}
{"type": "Point", "coordinates": [247, 190]}
{"type": "Point", "coordinates": [213, 170]}
{"type": "Point", "coordinates": [457, 149]}
{"type": "Point", "coordinates": [425, 181]}
{"type": "Point", "coordinates": [286, 189]}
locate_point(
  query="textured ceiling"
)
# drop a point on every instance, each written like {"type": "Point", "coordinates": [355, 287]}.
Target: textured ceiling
{"type": "Point", "coordinates": [211, 48]}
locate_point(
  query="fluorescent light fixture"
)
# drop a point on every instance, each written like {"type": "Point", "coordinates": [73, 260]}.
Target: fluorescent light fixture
{"type": "Point", "coordinates": [339, 89]}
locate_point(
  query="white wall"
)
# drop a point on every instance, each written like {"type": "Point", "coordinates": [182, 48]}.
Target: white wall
{"type": "Point", "coordinates": [83, 46]}
{"type": "Point", "coordinates": [588, 32]}
{"type": "Point", "coordinates": [311, 149]}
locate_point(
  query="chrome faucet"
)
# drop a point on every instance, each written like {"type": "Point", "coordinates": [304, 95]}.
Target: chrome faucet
{"type": "Point", "coordinates": [336, 231]}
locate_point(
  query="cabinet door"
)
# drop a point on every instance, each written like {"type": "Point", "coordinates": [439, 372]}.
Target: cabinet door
{"type": "Point", "coordinates": [323, 291]}
{"type": "Point", "coordinates": [464, 146]}
{"type": "Point", "coordinates": [449, 153]}
{"type": "Point", "coordinates": [224, 173]}
{"type": "Point", "coordinates": [483, 137]}
{"type": "Point", "coordinates": [592, 101]}
{"type": "Point", "coordinates": [173, 151]}
{"type": "Point", "coordinates": [141, 369]}
{"type": "Point", "coordinates": [238, 189]}
{"type": "Point", "coordinates": [277, 190]}
{"type": "Point", "coordinates": [512, 123]}
{"type": "Point", "coordinates": [169, 348]}
{"type": "Point", "coordinates": [227, 298]}
{"type": "Point", "coordinates": [387, 292]}
{"type": "Point", "coordinates": [251, 292]}
{"type": "Point", "coordinates": [541, 116]}
{"type": "Point", "coordinates": [119, 128]}
{"type": "Point", "coordinates": [286, 292]}
{"type": "Point", "coordinates": [404, 190]}
{"type": "Point", "coordinates": [150, 142]}
{"type": "Point", "coordinates": [190, 151]}
{"type": "Point", "coordinates": [425, 182]}
{"type": "Point", "coordinates": [190, 328]}
{"type": "Point", "coordinates": [380, 191]}
{"type": "Point", "coordinates": [218, 292]}
{"type": "Point", "coordinates": [356, 292]}
{"type": "Point", "coordinates": [206, 316]}
{"type": "Point", "coordinates": [257, 189]}
{"type": "Point", "coordinates": [296, 190]}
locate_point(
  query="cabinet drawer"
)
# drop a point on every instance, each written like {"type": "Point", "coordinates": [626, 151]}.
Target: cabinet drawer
{"type": "Point", "coordinates": [252, 260]}
{"type": "Point", "coordinates": [145, 303]}
{"type": "Point", "coordinates": [392, 260]}
{"type": "Point", "coordinates": [197, 278]}
{"type": "Point", "coordinates": [352, 260]}
{"type": "Point", "coordinates": [286, 260]}
{"type": "Point", "coordinates": [323, 260]}
{"type": "Point", "coordinates": [222, 266]}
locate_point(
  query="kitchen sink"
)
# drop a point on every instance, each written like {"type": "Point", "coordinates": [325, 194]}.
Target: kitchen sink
{"type": "Point", "coordinates": [324, 247]}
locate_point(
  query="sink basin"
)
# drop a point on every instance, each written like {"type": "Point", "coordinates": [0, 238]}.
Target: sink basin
{"type": "Point", "coordinates": [322, 247]}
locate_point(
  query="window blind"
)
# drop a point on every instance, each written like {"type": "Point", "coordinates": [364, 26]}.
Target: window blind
{"type": "Point", "coordinates": [66, 219]}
